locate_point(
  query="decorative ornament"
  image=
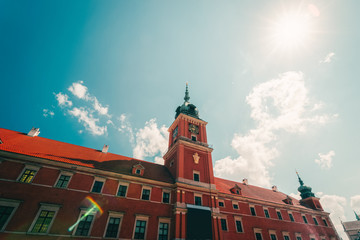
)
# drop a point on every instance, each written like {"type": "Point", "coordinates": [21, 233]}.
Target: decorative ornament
{"type": "Point", "coordinates": [196, 158]}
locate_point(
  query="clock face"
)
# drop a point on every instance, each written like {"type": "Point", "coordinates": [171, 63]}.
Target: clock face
{"type": "Point", "coordinates": [193, 128]}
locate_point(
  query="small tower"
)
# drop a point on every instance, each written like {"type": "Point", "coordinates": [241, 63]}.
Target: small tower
{"type": "Point", "coordinates": [308, 198]}
{"type": "Point", "coordinates": [189, 156]}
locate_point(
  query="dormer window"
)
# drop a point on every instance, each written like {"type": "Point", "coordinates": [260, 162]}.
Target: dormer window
{"type": "Point", "coordinates": [138, 169]}
{"type": "Point", "coordinates": [288, 200]}
{"type": "Point", "coordinates": [236, 190]}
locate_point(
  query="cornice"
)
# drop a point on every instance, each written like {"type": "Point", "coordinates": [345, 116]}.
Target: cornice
{"type": "Point", "coordinates": [187, 118]}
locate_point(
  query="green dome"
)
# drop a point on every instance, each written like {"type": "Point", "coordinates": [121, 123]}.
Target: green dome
{"type": "Point", "coordinates": [305, 191]}
{"type": "Point", "coordinates": [187, 108]}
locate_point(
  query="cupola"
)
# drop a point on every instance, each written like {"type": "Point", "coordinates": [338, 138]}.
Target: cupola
{"type": "Point", "coordinates": [305, 191]}
{"type": "Point", "coordinates": [187, 108]}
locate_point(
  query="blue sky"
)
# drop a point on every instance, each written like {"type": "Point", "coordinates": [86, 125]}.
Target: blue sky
{"type": "Point", "coordinates": [277, 82]}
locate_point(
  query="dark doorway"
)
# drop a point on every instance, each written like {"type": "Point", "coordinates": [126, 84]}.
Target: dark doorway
{"type": "Point", "coordinates": [198, 224]}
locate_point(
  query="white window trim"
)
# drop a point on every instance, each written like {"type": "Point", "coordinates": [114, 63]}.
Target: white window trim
{"type": "Point", "coordinates": [312, 236]}
{"type": "Point", "coordinates": [286, 234]}
{"type": "Point", "coordinates": [142, 218]}
{"type": "Point", "coordinates": [164, 220]}
{"type": "Point", "coordinates": [235, 203]}
{"type": "Point", "coordinates": [253, 206]}
{"type": "Point", "coordinates": [258, 230]}
{"type": "Point", "coordinates": [83, 211]}
{"type": "Point", "coordinates": [162, 195]}
{"type": "Point", "coordinates": [316, 220]}
{"type": "Point", "coordinates": [322, 237]}
{"type": "Point", "coordinates": [272, 232]}
{"type": "Point", "coordinates": [46, 207]}
{"type": "Point", "coordinates": [116, 215]}
{"type": "Point", "coordinates": [277, 216]}
{"type": "Point", "coordinates": [30, 167]}
{"type": "Point", "coordinates": [66, 173]}
{"type": "Point", "coordinates": [302, 217]}
{"type": "Point", "coordinates": [123, 184]}
{"type": "Point", "coordinates": [142, 191]}
{"type": "Point", "coordinates": [221, 200]}
{"type": "Point", "coordinates": [9, 203]}
{"type": "Point", "coordinates": [237, 218]}
{"type": "Point", "coordinates": [327, 223]}
{"type": "Point", "coordinates": [298, 235]}
{"type": "Point", "coordinates": [227, 225]}
{"type": "Point", "coordinates": [201, 197]}
{"type": "Point", "coordinates": [265, 208]}
{"type": "Point", "coordinates": [98, 179]}
{"type": "Point", "coordinates": [197, 172]}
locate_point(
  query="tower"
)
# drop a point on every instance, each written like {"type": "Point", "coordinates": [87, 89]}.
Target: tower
{"type": "Point", "coordinates": [307, 196]}
{"type": "Point", "coordinates": [189, 156]}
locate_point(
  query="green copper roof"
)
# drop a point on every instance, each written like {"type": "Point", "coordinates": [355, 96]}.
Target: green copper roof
{"type": "Point", "coordinates": [305, 191]}
{"type": "Point", "coordinates": [187, 108]}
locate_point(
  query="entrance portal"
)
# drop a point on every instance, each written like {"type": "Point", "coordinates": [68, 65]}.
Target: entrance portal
{"type": "Point", "coordinates": [198, 223]}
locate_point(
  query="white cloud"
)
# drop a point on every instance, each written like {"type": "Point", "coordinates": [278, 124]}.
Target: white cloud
{"type": "Point", "coordinates": [355, 203]}
{"type": "Point", "coordinates": [281, 104]}
{"type": "Point", "coordinates": [151, 141]}
{"type": "Point", "coordinates": [125, 126]}
{"type": "Point", "coordinates": [63, 100]}
{"type": "Point", "coordinates": [88, 121]}
{"type": "Point", "coordinates": [335, 206]}
{"type": "Point", "coordinates": [325, 161]}
{"type": "Point", "coordinates": [98, 107]}
{"type": "Point", "coordinates": [328, 58]}
{"type": "Point", "coordinates": [296, 196]}
{"type": "Point", "coordinates": [47, 112]}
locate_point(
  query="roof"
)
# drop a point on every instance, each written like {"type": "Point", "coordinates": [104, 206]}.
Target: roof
{"type": "Point", "coordinates": [353, 225]}
{"type": "Point", "coordinates": [40, 147]}
{"type": "Point", "coordinates": [254, 192]}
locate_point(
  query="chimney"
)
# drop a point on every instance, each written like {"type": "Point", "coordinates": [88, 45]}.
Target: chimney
{"type": "Point", "coordinates": [34, 132]}
{"type": "Point", "coordinates": [245, 181]}
{"type": "Point", "coordinates": [274, 188]}
{"type": "Point", "coordinates": [105, 148]}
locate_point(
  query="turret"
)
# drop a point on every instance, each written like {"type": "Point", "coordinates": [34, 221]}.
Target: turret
{"type": "Point", "coordinates": [308, 198]}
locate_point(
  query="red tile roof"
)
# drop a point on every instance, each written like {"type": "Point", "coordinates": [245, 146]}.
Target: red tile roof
{"type": "Point", "coordinates": [40, 147]}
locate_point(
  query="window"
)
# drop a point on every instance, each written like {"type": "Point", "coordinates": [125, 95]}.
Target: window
{"type": "Point", "coordinates": [279, 215]}
{"type": "Point", "coordinates": [7, 210]}
{"type": "Point", "coordinates": [315, 221]}
{"type": "Point", "coordinates": [44, 218]}
{"type": "Point", "coordinates": [252, 210]}
{"type": "Point", "coordinates": [325, 223]}
{"type": "Point", "coordinates": [175, 132]}
{"type": "Point", "coordinates": [140, 229]}
{"type": "Point", "coordinates": [98, 185]}
{"type": "Point", "coordinates": [164, 225]}
{"type": "Point", "coordinates": [221, 203]}
{"type": "Point", "coordinates": [223, 224]}
{"type": "Point", "coordinates": [235, 206]}
{"type": "Point", "coordinates": [312, 239]}
{"type": "Point", "coordinates": [28, 175]}
{"type": "Point", "coordinates": [298, 238]}
{"type": "Point", "coordinates": [63, 181]}
{"type": "Point", "coordinates": [122, 190]}
{"type": "Point", "coordinates": [238, 225]}
{"type": "Point", "coordinates": [258, 236]}
{"type": "Point", "coordinates": [196, 176]}
{"type": "Point", "coordinates": [266, 212]}
{"type": "Point", "coordinates": [286, 237]}
{"type": "Point", "coordinates": [112, 229]}
{"type": "Point", "coordinates": [291, 217]}
{"type": "Point", "coordinates": [145, 194]}
{"type": "Point", "coordinates": [166, 197]}
{"type": "Point", "coordinates": [304, 218]}
{"type": "Point", "coordinates": [273, 236]}
{"type": "Point", "coordinates": [198, 200]}
{"type": "Point", "coordinates": [83, 228]}
{"type": "Point", "coordinates": [193, 138]}
{"type": "Point", "coordinates": [138, 171]}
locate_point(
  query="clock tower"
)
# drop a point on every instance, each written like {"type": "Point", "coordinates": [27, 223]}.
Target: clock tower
{"type": "Point", "coordinates": [189, 156]}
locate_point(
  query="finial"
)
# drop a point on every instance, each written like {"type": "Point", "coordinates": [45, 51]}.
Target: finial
{"type": "Point", "coordinates": [357, 216]}
{"type": "Point", "coordinates": [187, 97]}
{"type": "Point", "coordinates": [300, 181]}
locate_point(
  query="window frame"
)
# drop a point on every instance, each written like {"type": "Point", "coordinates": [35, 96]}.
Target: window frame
{"type": "Point", "coordinates": [235, 203]}
{"type": "Point", "coordinates": [268, 213]}
{"type": "Point", "coordinates": [44, 207]}
{"type": "Point", "coordinates": [197, 195]}
{"type": "Point", "coordinates": [252, 207]}
{"type": "Point", "coordinates": [272, 232]}
{"type": "Point", "coordinates": [259, 231]}
{"type": "Point", "coordinates": [140, 217]}
{"type": "Point", "coordinates": [83, 211]}
{"type": "Point", "coordinates": [162, 197]}
{"type": "Point", "coordinates": [316, 222]}
{"type": "Point", "coordinates": [198, 173]}
{"type": "Point", "coordinates": [113, 215]}
{"type": "Point", "coordinates": [279, 217]}
{"type": "Point", "coordinates": [326, 224]}
{"type": "Point", "coordinates": [122, 184]}
{"type": "Point", "coordinates": [291, 216]}
{"type": "Point", "coordinates": [221, 201]}
{"type": "Point", "coordinates": [65, 173]}
{"type": "Point", "coordinates": [9, 203]}
{"type": "Point", "coordinates": [286, 234]}
{"type": "Point", "coordinates": [164, 220]}
{"type": "Point", "coordinates": [236, 219]}
{"type": "Point", "coordinates": [304, 219]}
{"type": "Point", "coordinates": [297, 236]}
{"type": "Point", "coordinates": [98, 179]}
{"type": "Point", "coordinates": [224, 219]}
{"type": "Point", "coordinates": [142, 192]}
{"type": "Point", "coordinates": [28, 167]}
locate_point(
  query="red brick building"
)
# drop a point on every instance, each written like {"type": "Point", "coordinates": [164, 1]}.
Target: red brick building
{"type": "Point", "coordinates": [56, 190]}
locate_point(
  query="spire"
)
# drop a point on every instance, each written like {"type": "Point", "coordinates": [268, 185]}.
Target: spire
{"type": "Point", "coordinates": [357, 216]}
{"type": "Point", "coordinates": [300, 181]}
{"type": "Point", "coordinates": [187, 97]}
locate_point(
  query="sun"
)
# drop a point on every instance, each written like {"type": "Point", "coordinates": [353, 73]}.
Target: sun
{"type": "Point", "coordinates": [291, 31]}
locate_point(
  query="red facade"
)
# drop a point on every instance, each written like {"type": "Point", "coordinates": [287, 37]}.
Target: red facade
{"type": "Point", "coordinates": [55, 190]}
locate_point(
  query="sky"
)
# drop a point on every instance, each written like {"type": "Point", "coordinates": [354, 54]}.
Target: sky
{"type": "Point", "coordinates": [276, 81]}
